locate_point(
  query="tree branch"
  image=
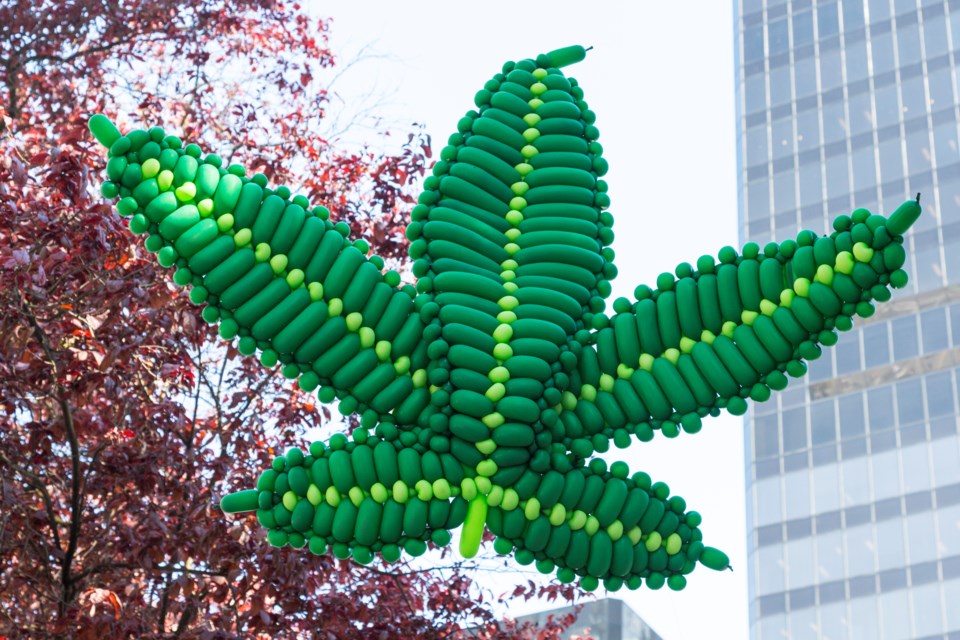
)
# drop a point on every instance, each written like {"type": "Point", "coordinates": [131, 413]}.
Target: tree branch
{"type": "Point", "coordinates": [76, 498]}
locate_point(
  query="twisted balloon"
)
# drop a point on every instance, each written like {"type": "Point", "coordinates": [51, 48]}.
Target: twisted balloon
{"type": "Point", "coordinates": [485, 391]}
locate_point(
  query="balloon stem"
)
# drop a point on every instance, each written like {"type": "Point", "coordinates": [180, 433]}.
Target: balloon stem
{"type": "Point", "coordinates": [918, 197]}
{"type": "Point", "coordinates": [590, 48]}
{"type": "Point", "coordinates": [473, 525]}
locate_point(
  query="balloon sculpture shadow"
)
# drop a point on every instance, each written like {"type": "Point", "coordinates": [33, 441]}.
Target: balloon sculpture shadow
{"type": "Point", "coordinates": [485, 391]}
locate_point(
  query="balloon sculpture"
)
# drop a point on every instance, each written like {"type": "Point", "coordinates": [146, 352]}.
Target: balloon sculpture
{"type": "Point", "coordinates": [484, 391]}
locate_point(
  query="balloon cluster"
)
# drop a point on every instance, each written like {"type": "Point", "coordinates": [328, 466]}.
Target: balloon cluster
{"type": "Point", "coordinates": [484, 391]}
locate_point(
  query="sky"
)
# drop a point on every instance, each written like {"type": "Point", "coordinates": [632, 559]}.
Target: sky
{"type": "Point", "coordinates": [661, 80]}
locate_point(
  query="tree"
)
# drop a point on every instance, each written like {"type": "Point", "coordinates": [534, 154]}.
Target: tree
{"type": "Point", "coordinates": [123, 417]}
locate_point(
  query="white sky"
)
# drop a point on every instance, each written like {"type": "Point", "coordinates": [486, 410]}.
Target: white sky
{"type": "Point", "coordinates": [661, 81]}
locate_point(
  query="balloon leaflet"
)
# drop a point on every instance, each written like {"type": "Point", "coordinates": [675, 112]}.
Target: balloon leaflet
{"type": "Point", "coordinates": [485, 391]}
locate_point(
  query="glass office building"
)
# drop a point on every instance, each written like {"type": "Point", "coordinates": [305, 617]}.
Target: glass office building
{"type": "Point", "coordinates": [853, 474]}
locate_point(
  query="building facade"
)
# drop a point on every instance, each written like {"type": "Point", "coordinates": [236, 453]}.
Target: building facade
{"type": "Point", "coordinates": [853, 473]}
{"type": "Point", "coordinates": [602, 619]}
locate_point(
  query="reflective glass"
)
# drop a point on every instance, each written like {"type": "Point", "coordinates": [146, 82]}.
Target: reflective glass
{"type": "Point", "coordinates": [927, 610]}
{"type": "Point", "coordinates": [909, 401]}
{"type": "Point", "coordinates": [756, 145]}
{"type": "Point", "coordinates": [833, 620]}
{"type": "Point", "coordinates": [951, 592]}
{"type": "Point", "coordinates": [780, 86]}
{"type": "Point", "coordinates": [848, 354]}
{"type": "Point", "coordinates": [797, 491]}
{"type": "Point", "coordinates": [805, 75]}
{"type": "Point", "coordinates": [856, 482]}
{"type": "Point", "coordinates": [905, 338]}
{"type": "Point", "coordinates": [769, 502]}
{"type": "Point", "coordinates": [946, 465]}
{"type": "Point", "coordinates": [771, 561]}
{"type": "Point", "coordinates": [753, 43]}
{"type": "Point", "coordinates": [921, 537]}
{"type": "Point", "coordinates": [766, 438]}
{"type": "Point", "coordinates": [935, 36]}
{"type": "Point", "coordinates": [811, 185]}
{"type": "Point", "coordinates": [890, 546]}
{"type": "Point", "coordinates": [822, 422]}
{"type": "Point", "coordinates": [882, 50]}
{"type": "Point", "coordinates": [861, 550]}
{"type": "Point", "coordinates": [826, 495]}
{"type": "Point", "coordinates": [895, 615]}
{"type": "Point", "coordinates": [784, 192]}
{"type": "Point", "coordinates": [756, 93]}
{"type": "Point", "coordinates": [933, 325]}
{"type": "Point", "coordinates": [886, 475]}
{"type": "Point", "coordinates": [834, 123]}
{"type": "Point", "coordinates": [861, 114]}
{"type": "Point", "coordinates": [864, 618]}
{"type": "Point", "coordinates": [864, 168]}
{"type": "Point", "coordinates": [827, 20]}
{"type": "Point", "coordinates": [876, 350]}
{"type": "Point", "coordinates": [800, 563]}
{"type": "Point", "coordinates": [852, 421]}
{"type": "Point", "coordinates": [782, 140]}
{"type": "Point", "coordinates": [949, 530]}
{"type": "Point", "coordinates": [803, 623]}
{"type": "Point", "coordinates": [945, 144]}
{"type": "Point", "coordinates": [829, 556]}
{"type": "Point", "coordinates": [888, 107]}
{"type": "Point", "coordinates": [879, 10]}
{"type": "Point", "coordinates": [916, 468]}
{"type": "Point", "coordinates": [880, 408]}
{"type": "Point", "coordinates": [941, 89]}
{"type": "Point", "coordinates": [795, 429]}
{"type": "Point", "coordinates": [908, 43]}
{"type": "Point", "coordinates": [891, 162]}
{"type": "Point", "coordinates": [758, 199]}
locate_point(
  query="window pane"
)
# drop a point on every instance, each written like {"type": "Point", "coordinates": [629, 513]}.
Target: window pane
{"type": "Point", "coordinates": [923, 544]}
{"type": "Point", "coordinates": [802, 28]}
{"type": "Point", "coordinates": [891, 161]}
{"type": "Point", "coordinates": [827, 20]}
{"type": "Point", "coordinates": [890, 544]}
{"type": "Point", "coordinates": [933, 325]}
{"type": "Point", "coordinates": [753, 43]}
{"type": "Point", "coordinates": [939, 394]}
{"type": "Point", "coordinates": [886, 478]}
{"type": "Point", "coordinates": [822, 423]}
{"type": "Point", "coordinates": [769, 502]}
{"type": "Point", "coordinates": [852, 422]}
{"type": "Point", "coordinates": [782, 138]}
{"type": "Point", "coordinates": [800, 563]}
{"type": "Point", "coordinates": [882, 49]}
{"type": "Point", "coordinates": [848, 354]}
{"type": "Point", "coordinates": [876, 350]}
{"type": "Point", "coordinates": [888, 109]}
{"type": "Point", "coordinates": [829, 556]}
{"type": "Point", "coordinates": [811, 185]}
{"type": "Point", "coordinates": [756, 93]}
{"type": "Point", "coordinates": [825, 488]}
{"type": "Point", "coordinates": [805, 72]}
{"type": "Point", "coordinates": [861, 114]}
{"type": "Point", "coordinates": [795, 429]}
{"type": "Point", "coordinates": [905, 338]}
{"type": "Point", "coordinates": [941, 89]}
{"type": "Point", "coordinates": [856, 482]}
{"type": "Point", "coordinates": [797, 493]}
{"type": "Point", "coordinates": [880, 408]}
{"type": "Point", "coordinates": [908, 43]}
{"type": "Point", "coordinates": [916, 468]}
{"type": "Point", "coordinates": [777, 31]}
{"type": "Point", "coordinates": [861, 554]}
{"type": "Point", "coordinates": [945, 143]}
{"type": "Point", "coordinates": [909, 401]}
{"type": "Point", "coordinates": [780, 86]}
{"type": "Point", "coordinates": [766, 439]}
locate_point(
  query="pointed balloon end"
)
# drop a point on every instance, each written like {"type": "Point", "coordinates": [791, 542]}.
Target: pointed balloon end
{"type": "Point", "coordinates": [103, 130]}
{"type": "Point", "coordinates": [904, 217]}
{"type": "Point", "coordinates": [240, 501]}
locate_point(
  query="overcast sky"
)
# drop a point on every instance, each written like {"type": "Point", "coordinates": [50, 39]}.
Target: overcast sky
{"type": "Point", "coordinates": [661, 81]}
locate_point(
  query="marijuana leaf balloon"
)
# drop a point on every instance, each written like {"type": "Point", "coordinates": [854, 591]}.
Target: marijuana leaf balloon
{"type": "Point", "coordinates": [484, 391]}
